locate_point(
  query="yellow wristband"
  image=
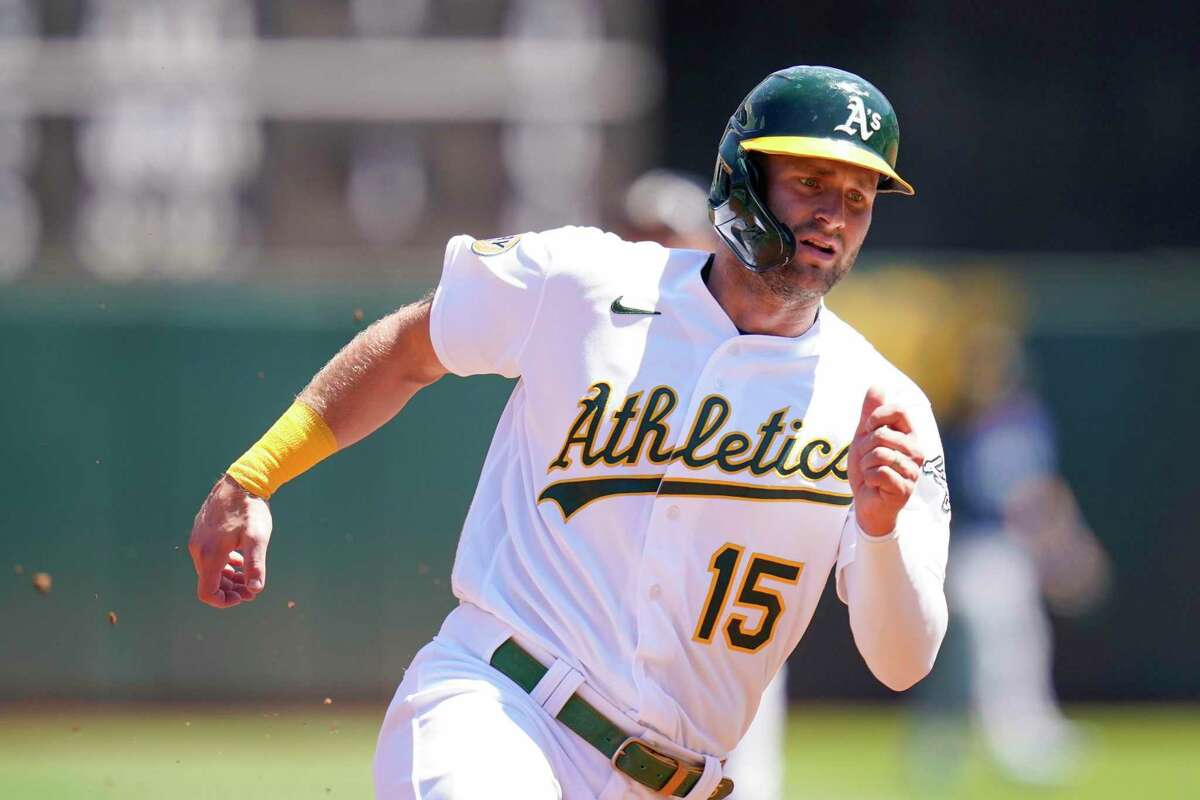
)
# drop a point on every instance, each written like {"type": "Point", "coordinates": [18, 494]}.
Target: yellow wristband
{"type": "Point", "coordinates": [297, 442]}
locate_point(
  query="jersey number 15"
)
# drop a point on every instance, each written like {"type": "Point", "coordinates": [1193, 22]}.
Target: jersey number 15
{"type": "Point", "coordinates": [749, 595]}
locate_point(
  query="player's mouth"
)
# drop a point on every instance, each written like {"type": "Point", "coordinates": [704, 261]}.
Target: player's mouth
{"type": "Point", "coordinates": [822, 249]}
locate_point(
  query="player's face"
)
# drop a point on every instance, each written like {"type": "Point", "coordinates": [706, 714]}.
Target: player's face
{"type": "Point", "coordinates": [827, 206]}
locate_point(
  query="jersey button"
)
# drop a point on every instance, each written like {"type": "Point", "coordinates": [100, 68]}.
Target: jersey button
{"type": "Point", "coordinates": [673, 512]}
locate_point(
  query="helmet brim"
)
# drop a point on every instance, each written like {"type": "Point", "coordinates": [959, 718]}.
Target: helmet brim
{"type": "Point", "coordinates": [835, 150]}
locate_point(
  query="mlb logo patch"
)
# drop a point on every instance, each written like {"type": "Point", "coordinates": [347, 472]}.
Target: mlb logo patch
{"type": "Point", "coordinates": [494, 247]}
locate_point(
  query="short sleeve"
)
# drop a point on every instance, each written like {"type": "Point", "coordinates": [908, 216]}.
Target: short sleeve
{"type": "Point", "coordinates": [487, 302]}
{"type": "Point", "coordinates": [923, 525]}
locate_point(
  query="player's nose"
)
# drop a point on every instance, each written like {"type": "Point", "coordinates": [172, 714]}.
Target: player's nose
{"type": "Point", "coordinates": [831, 211]}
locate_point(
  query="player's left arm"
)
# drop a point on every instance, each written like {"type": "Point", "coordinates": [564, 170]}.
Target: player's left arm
{"type": "Point", "coordinates": [891, 570]}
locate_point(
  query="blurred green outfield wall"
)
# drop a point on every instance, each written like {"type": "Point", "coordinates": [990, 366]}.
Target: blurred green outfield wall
{"type": "Point", "coordinates": [120, 409]}
{"type": "Point", "coordinates": [121, 406]}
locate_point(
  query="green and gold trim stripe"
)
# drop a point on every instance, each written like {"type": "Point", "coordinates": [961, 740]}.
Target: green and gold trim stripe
{"type": "Point", "coordinates": [572, 495]}
{"type": "Point", "coordinates": [693, 487]}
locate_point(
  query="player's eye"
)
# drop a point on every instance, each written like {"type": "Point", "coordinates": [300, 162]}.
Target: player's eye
{"type": "Point", "coordinates": [856, 196]}
{"type": "Point", "coordinates": [809, 182]}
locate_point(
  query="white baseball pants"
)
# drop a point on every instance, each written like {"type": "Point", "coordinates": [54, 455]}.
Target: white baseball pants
{"type": "Point", "coordinates": [457, 729]}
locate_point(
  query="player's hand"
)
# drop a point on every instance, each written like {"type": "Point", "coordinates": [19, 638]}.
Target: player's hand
{"type": "Point", "coordinates": [884, 464]}
{"type": "Point", "coordinates": [229, 545]}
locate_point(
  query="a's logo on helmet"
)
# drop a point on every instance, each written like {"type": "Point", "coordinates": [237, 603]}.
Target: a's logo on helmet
{"type": "Point", "coordinates": [868, 121]}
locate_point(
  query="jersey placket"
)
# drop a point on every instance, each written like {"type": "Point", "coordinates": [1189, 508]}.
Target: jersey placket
{"type": "Point", "coordinates": [669, 516]}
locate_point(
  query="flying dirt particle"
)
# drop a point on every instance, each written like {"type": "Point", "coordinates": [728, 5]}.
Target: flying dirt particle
{"type": "Point", "coordinates": [74, 729]}
{"type": "Point", "coordinates": [358, 315]}
{"type": "Point", "coordinates": [43, 582]}
{"type": "Point", "coordinates": [18, 569]}
{"type": "Point", "coordinates": [112, 618]}
{"type": "Point", "coordinates": [291, 603]}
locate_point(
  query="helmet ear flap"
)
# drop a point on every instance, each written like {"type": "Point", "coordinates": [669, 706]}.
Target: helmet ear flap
{"type": "Point", "coordinates": [742, 219]}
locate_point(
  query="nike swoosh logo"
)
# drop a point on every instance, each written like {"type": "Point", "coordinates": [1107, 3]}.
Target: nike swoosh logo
{"type": "Point", "coordinates": [618, 308]}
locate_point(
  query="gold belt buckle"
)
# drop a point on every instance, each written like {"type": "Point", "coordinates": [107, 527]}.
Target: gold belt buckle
{"type": "Point", "coordinates": [680, 768]}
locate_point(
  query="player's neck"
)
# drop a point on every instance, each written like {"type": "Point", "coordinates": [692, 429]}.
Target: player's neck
{"type": "Point", "coordinates": [751, 306]}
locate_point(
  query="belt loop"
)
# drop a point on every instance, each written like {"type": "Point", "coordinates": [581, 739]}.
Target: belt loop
{"type": "Point", "coordinates": [550, 681]}
{"type": "Point", "coordinates": [707, 784]}
{"type": "Point", "coordinates": [564, 692]}
{"type": "Point", "coordinates": [556, 687]}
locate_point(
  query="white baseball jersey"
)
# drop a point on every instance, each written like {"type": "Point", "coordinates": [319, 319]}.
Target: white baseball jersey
{"type": "Point", "coordinates": [664, 498]}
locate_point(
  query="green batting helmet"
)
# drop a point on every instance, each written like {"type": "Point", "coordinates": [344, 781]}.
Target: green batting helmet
{"type": "Point", "coordinates": [819, 112]}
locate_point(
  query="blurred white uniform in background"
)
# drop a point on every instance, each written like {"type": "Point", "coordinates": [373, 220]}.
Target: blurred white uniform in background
{"type": "Point", "coordinates": [1021, 548]}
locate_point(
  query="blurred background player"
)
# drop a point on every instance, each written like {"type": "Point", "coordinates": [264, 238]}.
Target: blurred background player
{"type": "Point", "coordinates": [670, 207]}
{"type": "Point", "coordinates": [1020, 547]}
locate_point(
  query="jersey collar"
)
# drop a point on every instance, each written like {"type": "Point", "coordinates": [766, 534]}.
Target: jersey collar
{"type": "Point", "coordinates": [806, 344]}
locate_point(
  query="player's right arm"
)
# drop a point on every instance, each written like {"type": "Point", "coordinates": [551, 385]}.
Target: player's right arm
{"type": "Point", "coordinates": [366, 384]}
{"type": "Point", "coordinates": [376, 374]}
{"type": "Point", "coordinates": [484, 312]}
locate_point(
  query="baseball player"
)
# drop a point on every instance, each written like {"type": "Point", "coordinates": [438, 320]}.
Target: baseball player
{"type": "Point", "coordinates": [694, 443]}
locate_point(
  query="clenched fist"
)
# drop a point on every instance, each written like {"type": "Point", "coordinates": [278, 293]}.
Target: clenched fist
{"type": "Point", "coordinates": [884, 464]}
{"type": "Point", "coordinates": [229, 545]}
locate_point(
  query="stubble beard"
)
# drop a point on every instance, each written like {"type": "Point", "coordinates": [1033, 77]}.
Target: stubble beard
{"type": "Point", "coordinates": [800, 284]}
